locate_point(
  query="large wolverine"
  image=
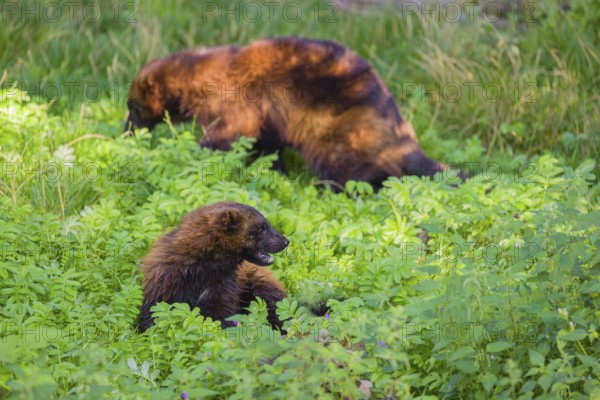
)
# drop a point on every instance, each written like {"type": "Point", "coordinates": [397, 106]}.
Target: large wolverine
{"type": "Point", "coordinates": [313, 95]}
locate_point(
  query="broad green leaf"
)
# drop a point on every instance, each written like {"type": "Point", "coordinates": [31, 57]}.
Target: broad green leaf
{"type": "Point", "coordinates": [536, 358]}
{"type": "Point", "coordinates": [577, 334]}
{"type": "Point", "coordinates": [497, 347]}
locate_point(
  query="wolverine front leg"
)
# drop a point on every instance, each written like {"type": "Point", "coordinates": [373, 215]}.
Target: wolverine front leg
{"type": "Point", "coordinates": [223, 131]}
{"type": "Point", "coordinates": [218, 138]}
{"type": "Point", "coordinates": [254, 282]}
{"type": "Point", "coordinates": [271, 294]}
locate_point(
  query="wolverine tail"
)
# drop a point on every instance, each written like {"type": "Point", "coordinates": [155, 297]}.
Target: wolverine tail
{"type": "Point", "coordinates": [407, 157]}
{"type": "Point", "coordinates": [417, 163]}
{"type": "Point", "coordinates": [400, 161]}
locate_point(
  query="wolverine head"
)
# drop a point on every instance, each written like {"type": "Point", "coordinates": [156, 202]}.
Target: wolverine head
{"type": "Point", "coordinates": [139, 117]}
{"type": "Point", "coordinates": [145, 110]}
{"type": "Point", "coordinates": [234, 231]}
{"type": "Point", "coordinates": [146, 101]}
{"type": "Point", "coordinates": [262, 240]}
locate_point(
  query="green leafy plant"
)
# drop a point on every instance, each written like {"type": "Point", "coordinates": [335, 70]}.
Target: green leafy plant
{"type": "Point", "coordinates": [487, 289]}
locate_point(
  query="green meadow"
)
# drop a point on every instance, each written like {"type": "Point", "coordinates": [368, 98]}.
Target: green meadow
{"type": "Point", "coordinates": [487, 289]}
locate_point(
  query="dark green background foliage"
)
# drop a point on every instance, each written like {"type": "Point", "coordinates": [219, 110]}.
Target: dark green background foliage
{"type": "Point", "coordinates": [503, 301]}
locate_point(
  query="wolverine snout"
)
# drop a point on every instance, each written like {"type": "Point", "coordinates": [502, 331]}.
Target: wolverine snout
{"type": "Point", "coordinates": [133, 120]}
{"type": "Point", "coordinates": [280, 240]}
{"type": "Point", "coordinates": [280, 244]}
{"type": "Point", "coordinates": [129, 127]}
{"type": "Point", "coordinates": [277, 243]}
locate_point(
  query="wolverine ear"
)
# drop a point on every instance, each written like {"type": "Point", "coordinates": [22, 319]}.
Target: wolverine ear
{"type": "Point", "coordinates": [149, 83]}
{"type": "Point", "coordinates": [230, 220]}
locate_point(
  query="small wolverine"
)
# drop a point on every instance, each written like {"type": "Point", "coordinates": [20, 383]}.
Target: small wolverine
{"type": "Point", "coordinates": [212, 261]}
{"type": "Point", "coordinates": [316, 96]}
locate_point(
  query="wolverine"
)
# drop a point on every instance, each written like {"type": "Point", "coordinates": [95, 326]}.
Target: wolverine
{"type": "Point", "coordinates": [315, 96]}
{"type": "Point", "coordinates": [214, 260]}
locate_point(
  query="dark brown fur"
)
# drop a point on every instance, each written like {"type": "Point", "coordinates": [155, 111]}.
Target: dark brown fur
{"type": "Point", "coordinates": [210, 261]}
{"type": "Point", "coordinates": [313, 95]}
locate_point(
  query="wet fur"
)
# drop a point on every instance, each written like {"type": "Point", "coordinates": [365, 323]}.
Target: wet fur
{"type": "Point", "coordinates": [204, 262]}
{"type": "Point", "coordinates": [315, 96]}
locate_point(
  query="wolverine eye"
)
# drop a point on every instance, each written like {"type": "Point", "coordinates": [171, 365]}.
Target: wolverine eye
{"type": "Point", "coordinates": [262, 228]}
